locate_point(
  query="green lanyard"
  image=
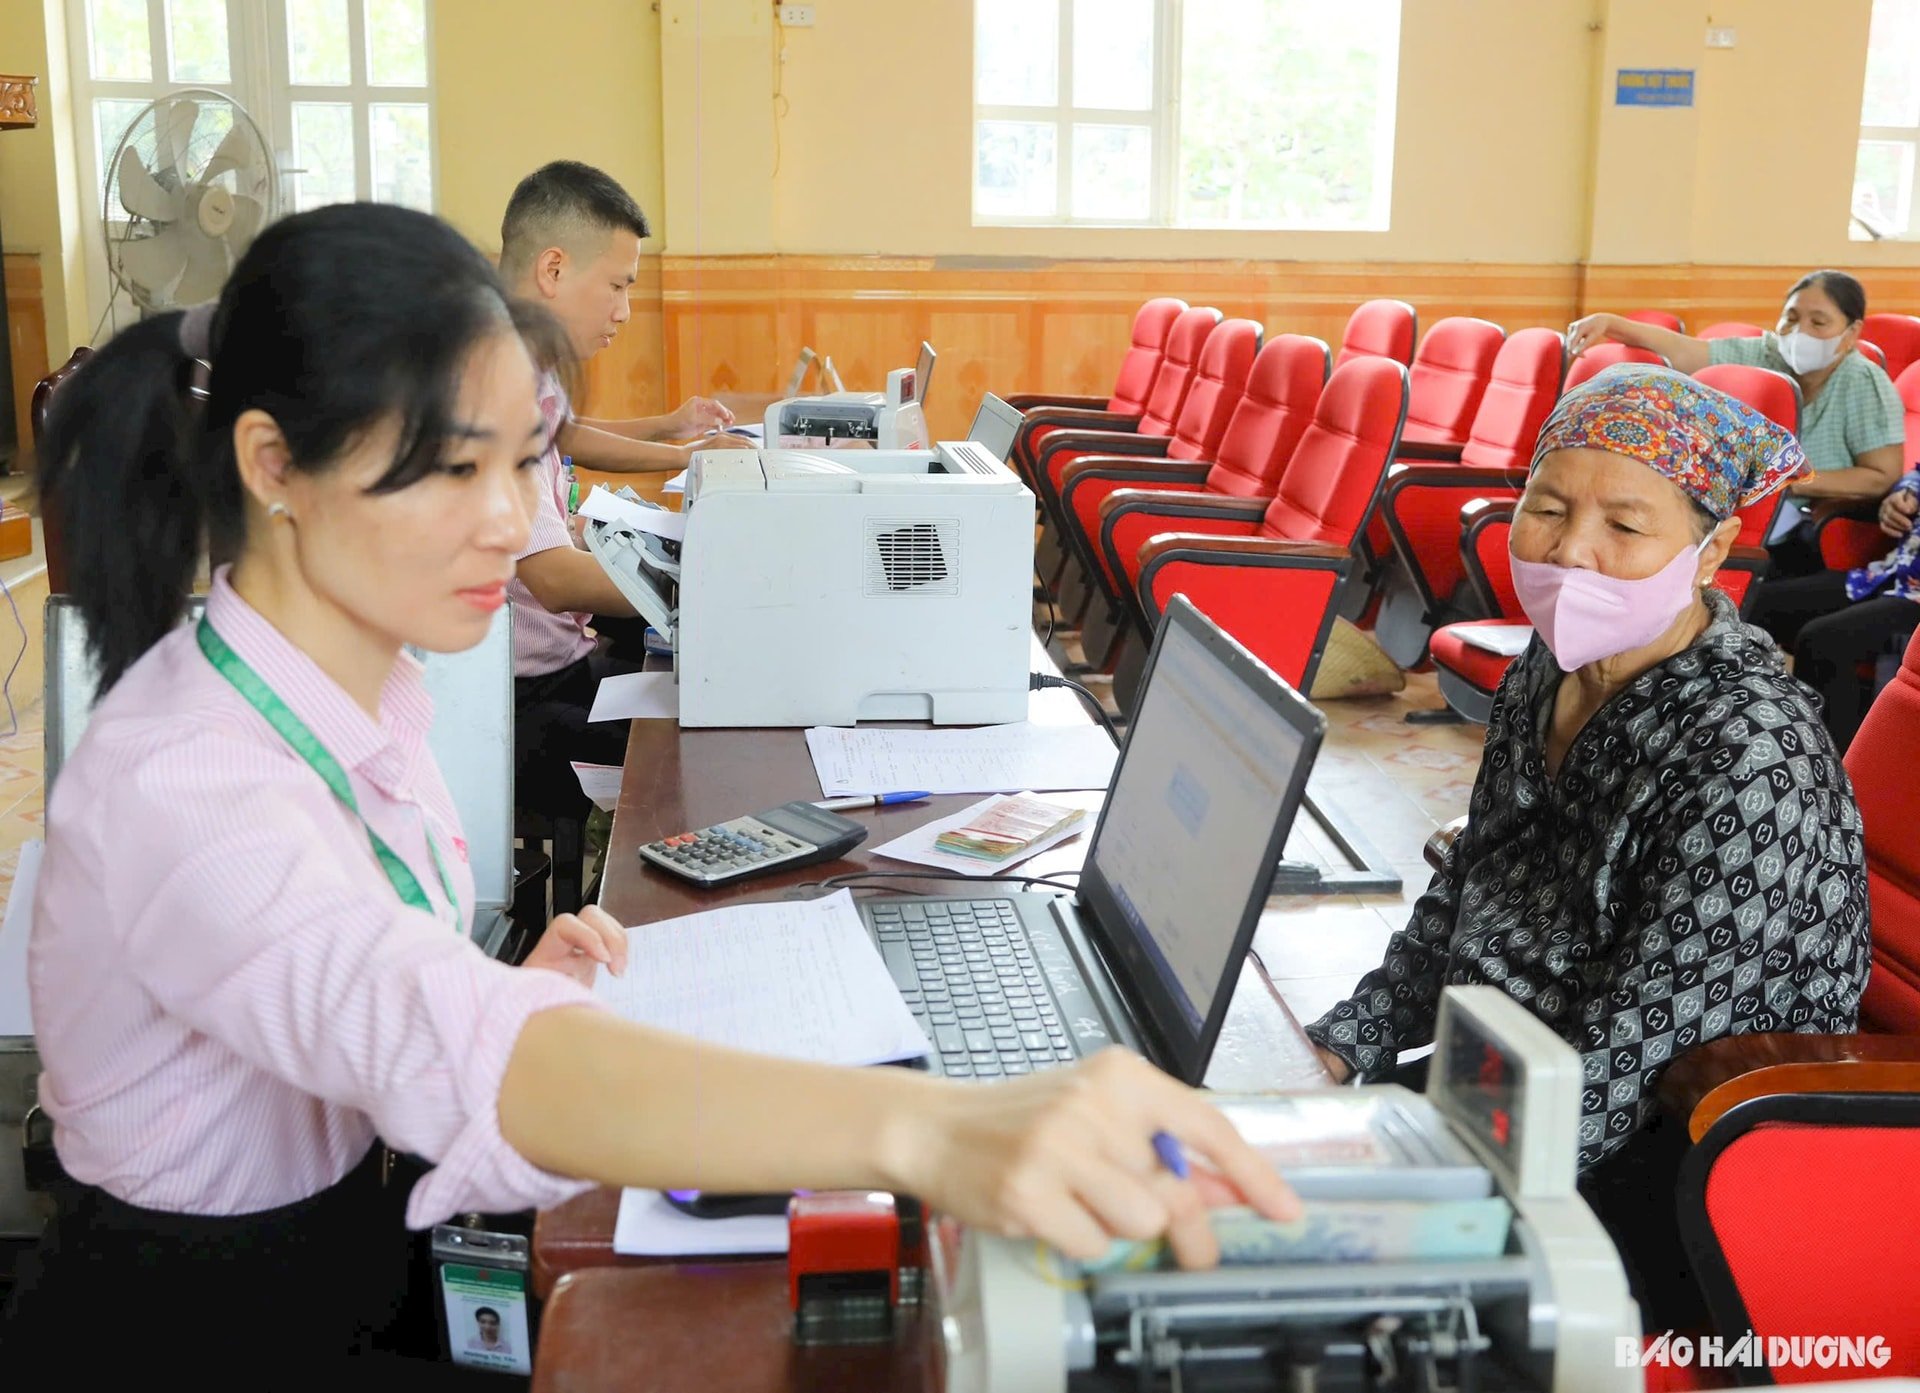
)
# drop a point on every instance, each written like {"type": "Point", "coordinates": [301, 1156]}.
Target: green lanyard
{"type": "Point", "coordinates": [306, 744]}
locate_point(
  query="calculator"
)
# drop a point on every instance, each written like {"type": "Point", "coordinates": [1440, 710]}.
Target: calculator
{"type": "Point", "coordinates": [793, 834]}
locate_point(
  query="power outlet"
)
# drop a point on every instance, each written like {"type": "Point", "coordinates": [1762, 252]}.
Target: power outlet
{"type": "Point", "coordinates": [797, 16]}
{"type": "Point", "coordinates": [1721, 38]}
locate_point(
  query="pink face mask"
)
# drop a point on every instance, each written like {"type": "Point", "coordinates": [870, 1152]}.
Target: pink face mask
{"type": "Point", "coordinates": [1583, 616]}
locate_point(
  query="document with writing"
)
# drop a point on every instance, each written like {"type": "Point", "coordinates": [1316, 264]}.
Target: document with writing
{"type": "Point", "coordinates": [797, 979]}
{"type": "Point", "coordinates": [601, 506]}
{"type": "Point", "coordinates": [987, 759]}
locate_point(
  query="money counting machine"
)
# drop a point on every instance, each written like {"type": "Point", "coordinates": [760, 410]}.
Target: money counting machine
{"type": "Point", "coordinates": [1443, 1246]}
{"type": "Point", "coordinates": [891, 420]}
{"type": "Point", "coordinates": [830, 587]}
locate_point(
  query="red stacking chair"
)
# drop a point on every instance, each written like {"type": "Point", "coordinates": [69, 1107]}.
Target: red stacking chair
{"type": "Point", "coordinates": [1380, 329]}
{"type": "Point", "coordinates": [1603, 356]}
{"type": "Point", "coordinates": [1211, 390]}
{"type": "Point", "coordinates": [1426, 488]}
{"type": "Point", "coordinates": [1271, 574]}
{"type": "Point", "coordinates": [1874, 352]}
{"type": "Point", "coordinates": [1100, 492]}
{"type": "Point", "coordinates": [1853, 538]}
{"type": "Point", "coordinates": [1732, 329]}
{"type": "Point", "coordinates": [1448, 378]}
{"type": "Point", "coordinates": [1805, 1145]}
{"type": "Point", "coordinates": [1658, 317]}
{"type": "Point", "coordinates": [1897, 336]}
{"type": "Point", "coordinates": [1047, 411]}
{"type": "Point", "coordinates": [1469, 673]}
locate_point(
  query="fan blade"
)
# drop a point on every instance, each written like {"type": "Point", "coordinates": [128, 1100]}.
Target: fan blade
{"type": "Point", "coordinates": [175, 125]}
{"type": "Point", "coordinates": [141, 195]}
{"type": "Point", "coordinates": [248, 213]}
{"type": "Point", "coordinates": [155, 263]}
{"type": "Point", "coordinates": [236, 150]}
{"type": "Point", "coordinates": [207, 266]}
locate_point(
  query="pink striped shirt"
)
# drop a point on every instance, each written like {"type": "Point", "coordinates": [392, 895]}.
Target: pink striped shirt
{"type": "Point", "coordinates": [230, 998]}
{"type": "Point", "coordinates": [544, 641]}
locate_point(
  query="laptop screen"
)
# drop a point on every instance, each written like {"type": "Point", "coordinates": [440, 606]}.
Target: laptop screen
{"type": "Point", "coordinates": [1213, 770]}
{"type": "Point", "coordinates": [994, 426]}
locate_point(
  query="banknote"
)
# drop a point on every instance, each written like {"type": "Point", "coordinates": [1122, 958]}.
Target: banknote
{"type": "Point", "coordinates": [1343, 1231]}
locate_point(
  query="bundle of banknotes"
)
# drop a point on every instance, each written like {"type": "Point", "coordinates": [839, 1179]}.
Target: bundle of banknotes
{"type": "Point", "coordinates": [1342, 1231]}
{"type": "Point", "coordinates": [1007, 828]}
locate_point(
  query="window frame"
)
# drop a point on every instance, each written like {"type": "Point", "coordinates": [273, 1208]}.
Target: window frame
{"type": "Point", "coordinates": [1903, 135]}
{"type": "Point", "coordinates": [259, 65]}
{"type": "Point", "coordinates": [1162, 118]}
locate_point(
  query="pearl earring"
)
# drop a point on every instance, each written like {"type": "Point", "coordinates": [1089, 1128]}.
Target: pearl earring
{"type": "Point", "coordinates": [278, 510]}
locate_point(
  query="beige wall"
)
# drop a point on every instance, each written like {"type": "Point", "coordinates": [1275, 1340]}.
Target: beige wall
{"type": "Point", "coordinates": [39, 209]}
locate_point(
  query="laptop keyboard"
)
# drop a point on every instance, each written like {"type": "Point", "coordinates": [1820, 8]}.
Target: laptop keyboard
{"type": "Point", "coordinates": [970, 979]}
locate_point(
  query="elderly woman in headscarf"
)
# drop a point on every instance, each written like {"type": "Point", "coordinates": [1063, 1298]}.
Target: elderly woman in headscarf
{"type": "Point", "coordinates": [1662, 846]}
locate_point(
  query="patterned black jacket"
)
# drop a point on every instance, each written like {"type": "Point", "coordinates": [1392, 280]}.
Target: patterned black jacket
{"type": "Point", "coordinates": [1696, 870]}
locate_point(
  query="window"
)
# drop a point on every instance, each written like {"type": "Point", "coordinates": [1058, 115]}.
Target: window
{"type": "Point", "coordinates": [341, 91]}
{"type": "Point", "coordinates": [1883, 173]}
{"type": "Point", "coordinates": [1185, 113]}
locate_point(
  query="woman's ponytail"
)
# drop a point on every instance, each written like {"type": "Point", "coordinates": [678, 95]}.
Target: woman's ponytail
{"type": "Point", "coordinates": [121, 457]}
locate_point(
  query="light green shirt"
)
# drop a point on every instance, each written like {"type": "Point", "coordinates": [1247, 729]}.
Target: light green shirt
{"type": "Point", "coordinates": [1856, 411]}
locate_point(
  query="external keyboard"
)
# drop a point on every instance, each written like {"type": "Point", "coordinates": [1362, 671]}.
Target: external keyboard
{"type": "Point", "coordinates": [969, 977]}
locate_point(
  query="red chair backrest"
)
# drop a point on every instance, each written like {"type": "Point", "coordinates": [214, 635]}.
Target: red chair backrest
{"type": "Point", "coordinates": [1661, 318]}
{"type": "Point", "coordinates": [1524, 386]}
{"type": "Point", "coordinates": [1490, 547]}
{"type": "Point", "coordinates": [1897, 336]}
{"type": "Point", "coordinates": [1379, 329]}
{"type": "Point", "coordinates": [1907, 384]}
{"type": "Point", "coordinates": [1603, 356]}
{"type": "Point", "coordinates": [1788, 1199]}
{"type": "Point", "coordinates": [1874, 353]}
{"type": "Point", "coordinates": [1186, 340]}
{"type": "Point", "coordinates": [1880, 761]}
{"type": "Point", "coordinates": [1773, 394]}
{"type": "Point", "coordinates": [1218, 382]}
{"type": "Point", "coordinates": [1732, 329]}
{"type": "Point", "coordinates": [1149, 346]}
{"type": "Point", "coordinates": [1330, 485]}
{"type": "Point", "coordinates": [1282, 391]}
{"type": "Point", "coordinates": [1449, 377]}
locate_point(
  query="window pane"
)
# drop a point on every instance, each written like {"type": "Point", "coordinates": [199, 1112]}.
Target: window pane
{"type": "Point", "coordinates": [397, 45]}
{"type": "Point", "coordinates": [1016, 52]}
{"type": "Point", "coordinates": [197, 29]}
{"type": "Point", "coordinates": [111, 117]}
{"type": "Point", "coordinates": [1286, 116]}
{"type": "Point", "coordinates": [1111, 167]}
{"type": "Point", "coordinates": [122, 45]}
{"type": "Point", "coordinates": [1883, 188]}
{"type": "Point", "coordinates": [402, 155]}
{"type": "Point", "coordinates": [1893, 65]}
{"type": "Point", "coordinates": [1113, 55]}
{"type": "Point", "coordinates": [319, 46]}
{"type": "Point", "coordinates": [322, 153]}
{"type": "Point", "coordinates": [1015, 172]}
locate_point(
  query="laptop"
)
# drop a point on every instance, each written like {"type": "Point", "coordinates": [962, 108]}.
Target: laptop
{"type": "Point", "coordinates": [1148, 952]}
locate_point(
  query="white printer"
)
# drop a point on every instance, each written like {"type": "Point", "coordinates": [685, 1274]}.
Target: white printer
{"type": "Point", "coordinates": [830, 587]}
{"type": "Point", "coordinates": [895, 419]}
{"type": "Point", "coordinates": [1538, 1306]}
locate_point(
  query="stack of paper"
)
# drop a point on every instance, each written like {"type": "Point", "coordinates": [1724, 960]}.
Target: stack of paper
{"type": "Point", "coordinates": [987, 759]}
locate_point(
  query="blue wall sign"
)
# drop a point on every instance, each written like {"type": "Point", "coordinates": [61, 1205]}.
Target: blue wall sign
{"type": "Point", "coordinates": [1653, 87]}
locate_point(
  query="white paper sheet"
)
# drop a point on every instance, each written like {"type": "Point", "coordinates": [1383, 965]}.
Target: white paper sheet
{"type": "Point", "coordinates": [648, 1226]}
{"type": "Point", "coordinates": [16, 1012]}
{"type": "Point", "coordinates": [636, 696]}
{"type": "Point", "coordinates": [800, 979]}
{"type": "Point", "coordinates": [917, 846]}
{"type": "Point", "coordinates": [677, 484]}
{"type": "Point", "coordinates": [601, 506]}
{"type": "Point", "coordinates": [1508, 640]}
{"type": "Point", "coordinates": [988, 759]}
{"type": "Point", "coordinates": [600, 782]}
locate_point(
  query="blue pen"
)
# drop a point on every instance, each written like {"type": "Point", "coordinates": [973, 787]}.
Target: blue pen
{"type": "Point", "coordinates": [875, 800]}
{"type": "Point", "coordinates": [1167, 1147]}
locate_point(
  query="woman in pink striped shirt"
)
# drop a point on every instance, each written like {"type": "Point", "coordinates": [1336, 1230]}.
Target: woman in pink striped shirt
{"type": "Point", "coordinates": [249, 959]}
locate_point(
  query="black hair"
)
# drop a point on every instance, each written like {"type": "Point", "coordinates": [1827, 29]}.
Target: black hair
{"type": "Point", "coordinates": [1847, 294]}
{"type": "Point", "coordinates": [485, 1311]}
{"type": "Point", "coordinates": [560, 195]}
{"type": "Point", "coordinates": [334, 321]}
{"type": "Point", "coordinates": [1704, 522]}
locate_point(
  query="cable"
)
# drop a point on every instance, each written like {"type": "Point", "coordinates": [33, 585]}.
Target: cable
{"type": "Point", "coordinates": [1047, 642]}
{"type": "Point", "coordinates": [6, 683]}
{"type": "Point", "coordinates": [1038, 680]}
{"type": "Point", "coordinates": [845, 882]}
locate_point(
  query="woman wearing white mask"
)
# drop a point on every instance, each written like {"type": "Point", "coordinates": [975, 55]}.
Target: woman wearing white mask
{"type": "Point", "coordinates": [1851, 422]}
{"type": "Point", "coordinates": [1662, 846]}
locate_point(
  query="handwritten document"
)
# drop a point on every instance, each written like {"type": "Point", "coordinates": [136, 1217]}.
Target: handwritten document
{"type": "Point", "coordinates": [988, 759]}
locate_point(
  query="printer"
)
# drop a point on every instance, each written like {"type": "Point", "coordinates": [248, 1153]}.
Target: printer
{"type": "Point", "coordinates": [831, 587]}
{"type": "Point", "coordinates": [891, 420]}
{"type": "Point", "coordinates": [1539, 1306]}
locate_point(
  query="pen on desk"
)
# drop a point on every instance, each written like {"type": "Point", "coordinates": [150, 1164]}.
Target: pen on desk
{"type": "Point", "coordinates": [876, 800]}
{"type": "Point", "coordinates": [1167, 1147]}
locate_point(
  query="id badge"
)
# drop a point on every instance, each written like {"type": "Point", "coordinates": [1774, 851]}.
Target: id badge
{"type": "Point", "coordinates": [483, 1298]}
